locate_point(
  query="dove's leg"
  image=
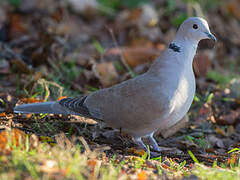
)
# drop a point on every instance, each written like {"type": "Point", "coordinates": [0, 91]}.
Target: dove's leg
{"type": "Point", "coordinates": [153, 143]}
{"type": "Point", "coordinates": [140, 143]}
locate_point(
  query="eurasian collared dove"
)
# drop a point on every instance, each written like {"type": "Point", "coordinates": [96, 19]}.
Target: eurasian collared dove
{"type": "Point", "coordinates": [154, 100]}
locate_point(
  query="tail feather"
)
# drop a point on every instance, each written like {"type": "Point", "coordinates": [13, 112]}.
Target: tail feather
{"type": "Point", "coordinates": [69, 106]}
{"type": "Point", "coordinates": [51, 107]}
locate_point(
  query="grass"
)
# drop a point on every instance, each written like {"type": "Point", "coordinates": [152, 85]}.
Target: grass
{"type": "Point", "coordinates": [67, 160]}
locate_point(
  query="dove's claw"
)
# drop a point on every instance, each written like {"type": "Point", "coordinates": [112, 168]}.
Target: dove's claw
{"type": "Point", "coordinates": [153, 143]}
{"type": "Point", "coordinates": [140, 143]}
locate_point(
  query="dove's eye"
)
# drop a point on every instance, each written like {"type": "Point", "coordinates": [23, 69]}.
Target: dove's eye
{"type": "Point", "coordinates": [195, 26]}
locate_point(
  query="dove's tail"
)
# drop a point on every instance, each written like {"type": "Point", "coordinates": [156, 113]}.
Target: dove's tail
{"type": "Point", "coordinates": [52, 107]}
{"type": "Point", "coordinates": [69, 106]}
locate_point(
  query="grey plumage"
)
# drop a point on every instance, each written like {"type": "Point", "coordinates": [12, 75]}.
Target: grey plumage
{"type": "Point", "coordinates": [154, 100]}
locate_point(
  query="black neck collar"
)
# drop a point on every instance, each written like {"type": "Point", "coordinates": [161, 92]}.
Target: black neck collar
{"type": "Point", "coordinates": [174, 47]}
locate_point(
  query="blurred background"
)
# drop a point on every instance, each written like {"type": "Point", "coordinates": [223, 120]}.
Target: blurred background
{"type": "Point", "coordinates": [55, 48]}
{"type": "Point", "coordinates": [82, 44]}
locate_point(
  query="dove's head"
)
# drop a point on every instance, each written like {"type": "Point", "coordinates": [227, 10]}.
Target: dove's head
{"type": "Point", "coordinates": [195, 29]}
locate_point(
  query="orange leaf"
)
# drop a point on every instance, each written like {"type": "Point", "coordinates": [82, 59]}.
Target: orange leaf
{"type": "Point", "coordinates": [165, 166]}
{"type": "Point", "coordinates": [31, 100]}
{"type": "Point", "coordinates": [205, 110]}
{"type": "Point", "coordinates": [92, 163]}
{"type": "Point", "coordinates": [14, 136]}
{"type": "Point", "coordinates": [220, 131]}
{"type": "Point", "coordinates": [142, 175]}
{"type": "Point", "coordinates": [3, 114]}
{"type": "Point", "coordinates": [139, 152]}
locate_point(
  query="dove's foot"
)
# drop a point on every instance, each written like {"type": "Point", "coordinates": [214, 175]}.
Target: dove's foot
{"type": "Point", "coordinates": [144, 147]}
{"type": "Point", "coordinates": [153, 143]}
{"type": "Point", "coordinates": [141, 144]}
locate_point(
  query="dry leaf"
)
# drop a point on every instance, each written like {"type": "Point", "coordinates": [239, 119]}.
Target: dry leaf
{"type": "Point", "coordinates": [15, 136]}
{"type": "Point", "coordinates": [142, 175]}
{"type": "Point", "coordinates": [201, 63]}
{"type": "Point", "coordinates": [106, 73]}
{"type": "Point", "coordinates": [31, 100]}
{"type": "Point", "coordinates": [92, 163]}
{"type": "Point", "coordinates": [220, 131]}
{"type": "Point", "coordinates": [20, 66]}
{"type": "Point", "coordinates": [233, 7]}
{"type": "Point", "coordinates": [139, 152]}
{"type": "Point", "coordinates": [3, 114]}
{"type": "Point", "coordinates": [228, 119]}
{"type": "Point", "coordinates": [135, 55]}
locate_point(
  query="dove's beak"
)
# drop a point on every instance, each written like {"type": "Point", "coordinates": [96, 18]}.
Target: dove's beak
{"type": "Point", "coordinates": [211, 36]}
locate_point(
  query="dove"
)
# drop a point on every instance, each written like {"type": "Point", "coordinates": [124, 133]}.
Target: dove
{"type": "Point", "coordinates": [155, 100]}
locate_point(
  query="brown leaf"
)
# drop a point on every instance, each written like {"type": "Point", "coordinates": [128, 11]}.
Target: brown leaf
{"type": "Point", "coordinates": [139, 152]}
{"type": "Point", "coordinates": [16, 137]}
{"type": "Point", "coordinates": [92, 163]}
{"type": "Point", "coordinates": [220, 131]}
{"type": "Point", "coordinates": [106, 73]}
{"type": "Point", "coordinates": [205, 110]}
{"type": "Point", "coordinates": [228, 119]}
{"type": "Point", "coordinates": [142, 175]}
{"type": "Point", "coordinates": [135, 55]}
{"type": "Point", "coordinates": [3, 114]}
{"type": "Point", "coordinates": [20, 66]}
{"type": "Point", "coordinates": [233, 7]}
{"type": "Point", "coordinates": [31, 100]}
{"type": "Point", "coordinates": [17, 24]}
{"type": "Point", "coordinates": [201, 63]}
{"type": "Point", "coordinates": [233, 159]}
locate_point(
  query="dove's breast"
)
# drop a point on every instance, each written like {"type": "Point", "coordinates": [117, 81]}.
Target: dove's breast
{"type": "Point", "coordinates": [181, 97]}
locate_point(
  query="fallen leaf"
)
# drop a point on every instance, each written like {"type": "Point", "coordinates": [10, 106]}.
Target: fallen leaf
{"type": "Point", "coordinates": [17, 24]}
{"type": "Point", "coordinates": [202, 63]}
{"type": "Point", "coordinates": [205, 110]}
{"type": "Point", "coordinates": [46, 139]}
{"type": "Point", "coordinates": [31, 100]}
{"type": "Point", "coordinates": [233, 159]}
{"type": "Point", "coordinates": [228, 119]}
{"type": "Point", "coordinates": [165, 166]}
{"type": "Point", "coordinates": [220, 131]}
{"type": "Point", "coordinates": [106, 73]}
{"type": "Point", "coordinates": [142, 175]}
{"type": "Point", "coordinates": [135, 55]}
{"type": "Point", "coordinates": [139, 152]}
{"type": "Point", "coordinates": [20, 66]}
{"type": "Point", "coordinates": [92, 163]}
{"type": "Point", "coordinates": [230, 130]}
{"type": "Point", "coordinates": [16, 137]}
{"type": "Point", "coordinates": [3, 114]}
{"type": "Point", "coordinates": [234, 8]}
